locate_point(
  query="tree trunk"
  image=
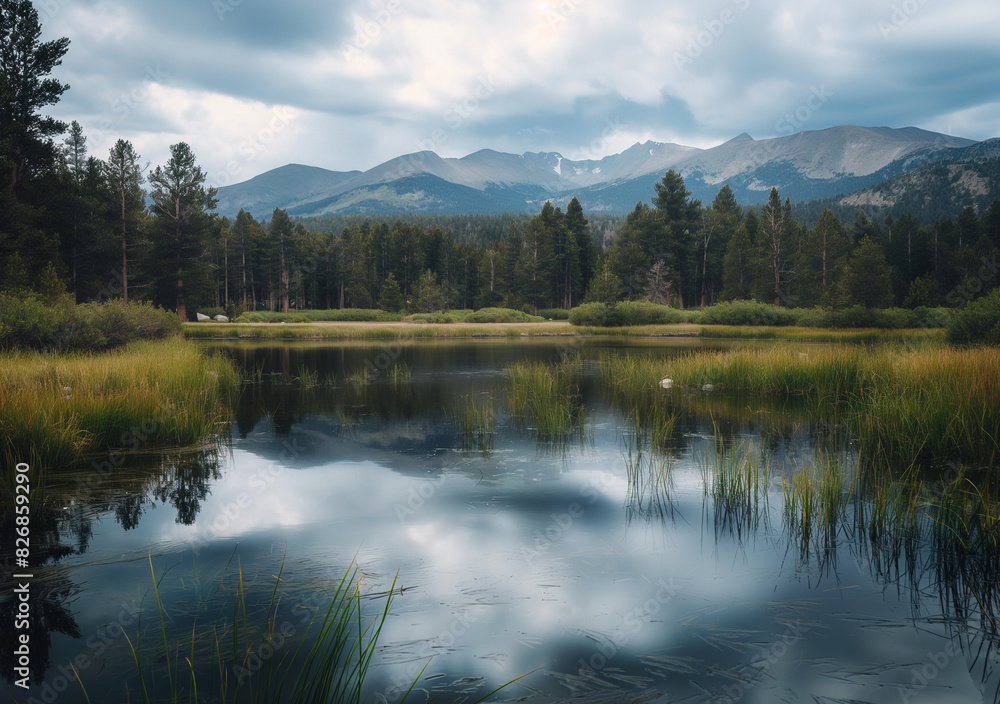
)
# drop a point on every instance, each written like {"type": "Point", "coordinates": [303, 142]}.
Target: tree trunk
{"type": "Point", "coordinates": [124, 252]}
{"type": "Point", "coordinates": [181, 307]}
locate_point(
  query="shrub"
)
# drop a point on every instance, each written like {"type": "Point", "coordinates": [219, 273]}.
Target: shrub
{"type": "Point", "coordinates": [27, 323]}
{"type": "Point", "coordinates": [554, 313]}
{"type": "Point", "coordinates": [749, 313]}
{"type": "Point", "coordinates": [591, 315]}
{"type": "Point", "coordinates": [120, 323]}
{"type": "Point", "coordinates": [978, 323]}
{"type": "Point", "coordinates": [628, 313]}
{"type": "Point", "coordinates": [439, 318]}
{"type": "Point", "coordinates": [500, 315]}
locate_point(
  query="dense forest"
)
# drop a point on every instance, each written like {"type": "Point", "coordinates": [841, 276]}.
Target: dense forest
{"type": "Point", "coordinates": [99, 228]}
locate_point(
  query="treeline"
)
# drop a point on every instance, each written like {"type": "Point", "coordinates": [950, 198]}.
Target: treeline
{"type": "Point", "coordinates": [680, 253]}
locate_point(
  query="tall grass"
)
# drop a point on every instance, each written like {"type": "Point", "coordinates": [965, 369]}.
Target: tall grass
{"type": "Point", "coordinates": [251, 657]}
{"type": "Point", "coordinates": [899, 404]}
{"type": "Point", "coordinates": [475, 423]}
{"type": "Point", "coordinates": [542, 395]}
{"type": "Point", "coordinates": [55, 409]}
{"type": "Point", "coordinates": [737, 479]}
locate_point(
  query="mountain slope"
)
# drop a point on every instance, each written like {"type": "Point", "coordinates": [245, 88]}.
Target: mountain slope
{"type": "Point", "coordinates": [808, 165]}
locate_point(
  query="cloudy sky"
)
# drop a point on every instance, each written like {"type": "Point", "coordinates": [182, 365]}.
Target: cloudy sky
{"type": "Point", "coordinates": [253, 85]}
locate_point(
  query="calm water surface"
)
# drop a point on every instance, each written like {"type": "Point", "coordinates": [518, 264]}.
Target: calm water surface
{"type": "Point", "coordinates": [606, 574]}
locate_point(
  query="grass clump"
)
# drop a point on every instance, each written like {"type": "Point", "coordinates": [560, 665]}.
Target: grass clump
{"type": "Point", "coordinates": [543, 395]}
{"type": "Point", "coordinates": [55, 409]}
{"type": "Point", "coordinates": [475, 423]}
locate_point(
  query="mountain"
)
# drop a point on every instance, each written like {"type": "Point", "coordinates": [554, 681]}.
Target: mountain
{"type": "Point", "coordinates": [804, 166]}
{"type": "Point", "coordinates": [938, 190]}
{"type": "Point", "coordinates": [279, 188]}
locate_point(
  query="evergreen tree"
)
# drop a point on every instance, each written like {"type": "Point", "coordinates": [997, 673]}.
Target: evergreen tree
{"type": "Point", "coordinates": [605, 284]}
{"type": "Point", "coordinates": [821, 261]}
{"type": "Point", "coordinates": [27, 152]}
{"type": "Point", "coordinates": [181, 203]}
{"type": "Point", "coordinates": [680, 219]}
{"type": "Point", "coordinates": [124, 177]}
{"type": "Point", "coordinates": [279, 237]}
{"type": "Point", "coordinates": [586, 251]}
{"type": "Point", "coordinates": [428, 297]}
{"type": "Point", "coordinates": [718, 224]}
{"type": "Point", "coordinates": [775, 243]}
{"type": "Point", "coordinates": [391, 297]}
{"type": "Point", "coordinates": [867, 278]}
{"type": "Point", "coordinates": [738, 266]}
{"type": "Point", "coordinates": [26, 147]}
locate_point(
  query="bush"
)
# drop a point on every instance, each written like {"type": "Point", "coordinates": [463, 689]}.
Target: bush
{"type": "Point", "coordinates": [628, 313]}
{"type": "Point", "coordinates": [27, 323]}
{"type": "Point", "coordinates": [591, 315]}
{"type": "Point", "coordinates": [554, 313]}
{"type": "Point", "coordinates": [501, 315]}
{"type": "Point", "coordinates": [978, 323]}
{"type": "Point", "coordinates": [749, 313]}
{"type": "Point", "coordinates": [439, 318]}
{"type": "Point", "coordinates": [120, 323]}
{"type": "Point", "coordinates": [643, 313]}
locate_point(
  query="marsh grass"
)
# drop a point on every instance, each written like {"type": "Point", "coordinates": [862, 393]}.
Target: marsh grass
{"type": "Point", "coordinates": [736, 477]}
{"type": "Point", "coordinates": [260, 654]}
{"type": "Point", "coordinates": [544, 397]}
{"type": "Point", "coordinates": [899, 404]}
{"type": "Point", "coordinates": [649, 474]}
{"type": "Point", "coordinates": [475, 422]}
{"type": "Point", "coordinates": [56, 409]}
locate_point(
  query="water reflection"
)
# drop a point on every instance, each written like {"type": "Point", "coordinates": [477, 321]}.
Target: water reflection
{"type": "Point", "coordinates": [697, 543]}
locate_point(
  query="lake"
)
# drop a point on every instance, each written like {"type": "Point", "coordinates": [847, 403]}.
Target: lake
{"type": "Point", "coordinates": [596, 556]}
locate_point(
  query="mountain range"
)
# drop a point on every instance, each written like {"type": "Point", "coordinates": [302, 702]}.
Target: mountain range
{"type": "Point", "coordinates": [804, 166]}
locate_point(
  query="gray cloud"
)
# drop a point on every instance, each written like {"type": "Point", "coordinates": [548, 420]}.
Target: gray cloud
{"type": "Point", "coordinates": [372, 79]}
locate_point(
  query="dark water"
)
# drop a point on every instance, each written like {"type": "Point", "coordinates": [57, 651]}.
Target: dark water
{"type": "Point", "coordinates": [571, 558]}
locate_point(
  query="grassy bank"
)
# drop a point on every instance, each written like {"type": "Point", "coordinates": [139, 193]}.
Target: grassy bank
{"type": "Point", "coordinates": [56, 409]}
{"type": "Point", "coordinates": [898, 403]}
{"type": "Point", "coordinates": [370, 331]}
{"type": "Point", "coordinates": [427, 330]}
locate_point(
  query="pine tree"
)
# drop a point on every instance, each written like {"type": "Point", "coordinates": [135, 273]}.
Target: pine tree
{"type": "Point", "coordinates": [867, 279]}
{"type": "Point", "coordinates": [586, 251]}
{"type": "Point", "coordinates": [27, 151]}
{"type": "Point", "coordinates": [821, 261]}
{"type": "Point", "coordinates": [124, 177]}
{"type": "Point", "coordinates": [391, 298]}
{"type": "Point", "coordinates": [775, 243]}
{"type": "Point", "coordinates": [180, 204]}
{"type": "Point", "coordinates": [738, 266]}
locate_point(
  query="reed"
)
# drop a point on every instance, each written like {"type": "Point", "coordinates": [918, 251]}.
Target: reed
{"type": "Point", "coordinates": [475, 424]}
{"type": "Point", "coordinates": [545, 394]}
{"type": "Point", "coordinates": [254, 655]}
{"type": "Point", "coordinates": [900, 404]}
{"type": "Point", "coordinates": [56, 409]}
{"type": "Point", "coordinates": [737, 479]}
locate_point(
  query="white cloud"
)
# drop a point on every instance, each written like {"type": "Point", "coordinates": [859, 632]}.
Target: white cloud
{"type": "Point", "coordinates": [369, 81]}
